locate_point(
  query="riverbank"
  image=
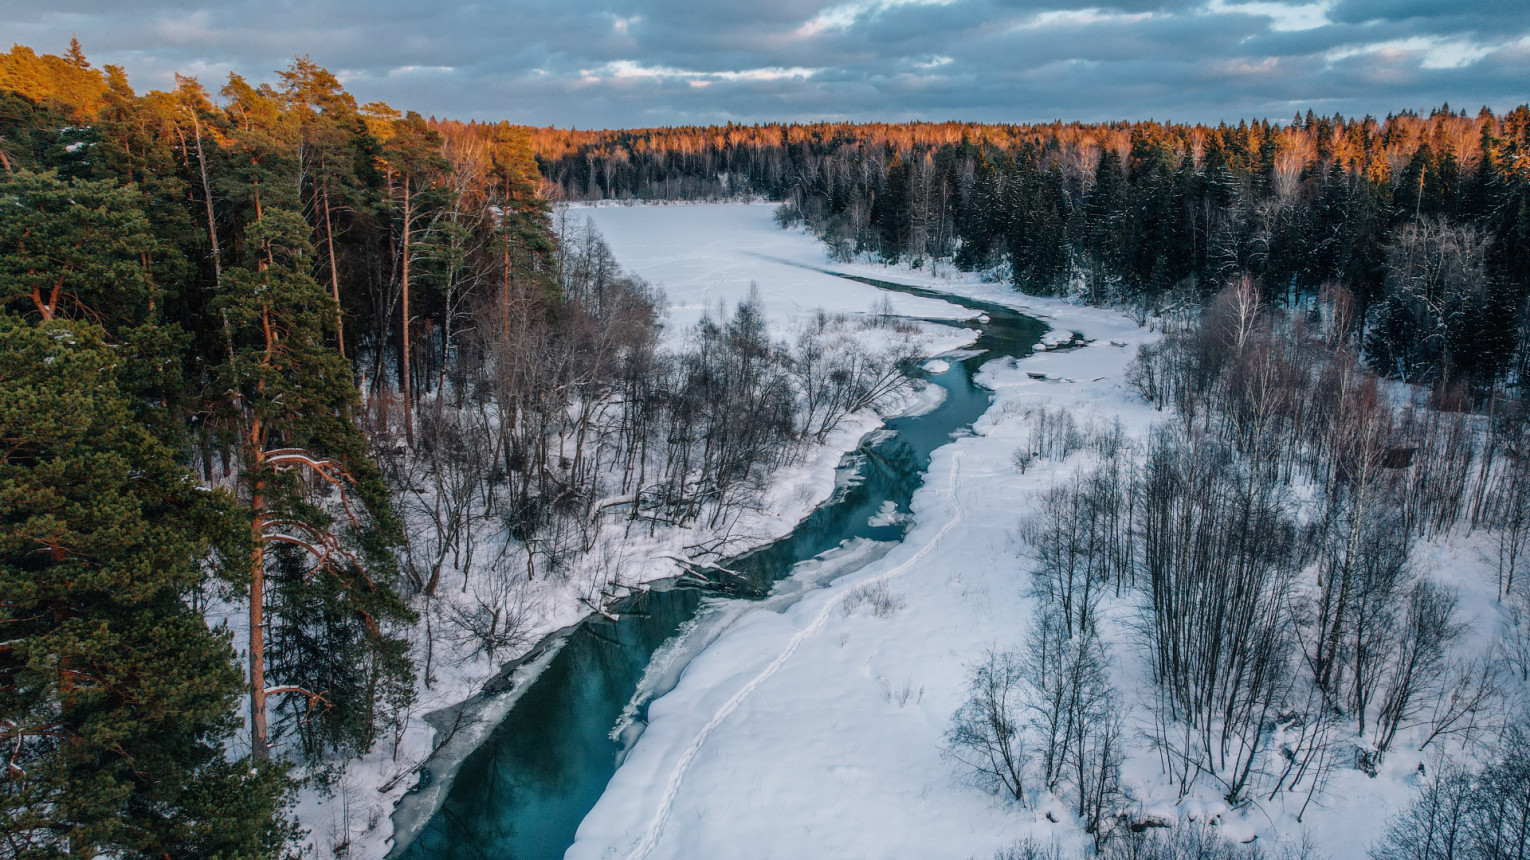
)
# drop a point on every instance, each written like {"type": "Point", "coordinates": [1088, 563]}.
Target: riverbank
{"type": "Point", "coordinates": [819, 731]}
{"type": "Point", "coordinates": [829, 716]}
{"type": "Point", "coordinates": [357, 816]}
{"type": "Point", "coordinates": [524, 792]}
{"type": "Point", "coordinates": [495, 711]}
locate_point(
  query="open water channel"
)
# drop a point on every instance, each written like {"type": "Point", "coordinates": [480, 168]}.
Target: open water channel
{"type": "Point", "coordinates": [522, 793]}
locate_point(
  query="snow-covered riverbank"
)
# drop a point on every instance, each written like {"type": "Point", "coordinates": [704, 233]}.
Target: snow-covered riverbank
{"type": "Point", "coordinates": [818, 731]}
{"type": "Point", "coordinates": [701, 259]}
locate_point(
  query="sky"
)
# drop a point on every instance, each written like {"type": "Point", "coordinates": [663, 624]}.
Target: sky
{"type": "Point", "coordinates": [609, 64]}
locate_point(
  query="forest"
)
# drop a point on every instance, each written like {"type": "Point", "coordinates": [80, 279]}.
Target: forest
{"type": "Point", "coordinates": [297, 395]}
{"type": "Point", "coordinates": [279, 361]}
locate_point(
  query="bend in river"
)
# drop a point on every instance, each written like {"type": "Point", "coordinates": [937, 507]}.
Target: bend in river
{"type": "Point", "coordinates": [523, 792]}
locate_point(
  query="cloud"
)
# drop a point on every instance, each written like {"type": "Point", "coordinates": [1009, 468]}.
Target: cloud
{"type": "Point", "coordinates": [600, 63]}
{"type": "Point", "coordinates": [1282, 16]}
{"type": "Point", "coordinates": [1430, 52]}
{"type": "Point", "coordinates": [629, 69]}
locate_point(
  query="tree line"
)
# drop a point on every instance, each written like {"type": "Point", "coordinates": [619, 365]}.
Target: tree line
{"type": "Point", "coordinates": [1420, 224]}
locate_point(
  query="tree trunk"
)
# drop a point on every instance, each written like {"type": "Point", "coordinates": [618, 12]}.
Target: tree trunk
{"type": "Point", "coordinates": [212, 229]}
{"type": "Point", "coordinates": [405, 382]}
{"type": "Point", "coordinates": [260, 748]}
{"type": "Point", "coordinates": [334, 275]}
{"type": "Point", "coordinates": [504, 296]}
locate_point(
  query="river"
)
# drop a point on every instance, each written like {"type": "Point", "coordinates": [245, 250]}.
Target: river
{"type": "Point", "coordinates": [523, 792]}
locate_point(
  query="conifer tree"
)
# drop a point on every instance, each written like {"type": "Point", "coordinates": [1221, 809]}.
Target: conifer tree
{"type": "Point", "coordinates": [329, 127]}
{"type": "Point", "coordinates": [525, 243]}
{"type": "Point", "coordinates": [114, 694]}
{"type": "Point", "coordinates": [411, 159]}
{"type": "Point", "coordinates": [81, 250]}
{"type": "Point", "coordinates": [316, 509]}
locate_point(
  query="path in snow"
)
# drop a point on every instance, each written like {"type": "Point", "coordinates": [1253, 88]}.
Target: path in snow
{"type": "Point", "coordinates": [677, 775]}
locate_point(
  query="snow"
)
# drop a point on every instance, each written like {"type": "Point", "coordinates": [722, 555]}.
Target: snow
{"type": "Point", "coordinates": [808, 732]}
{"type": "Point", "coordinates": [812, 732]}
{"type": "Point", "coordinates": [700, 254]}
{"type": "Point", "coordinates": [889, 515]}
{"type": "Point", "coordinates": [701, 257]}
{"type": "Point", "coordinates": [922, 401]}
{"type": "Point", "coordinates": [795, 729]}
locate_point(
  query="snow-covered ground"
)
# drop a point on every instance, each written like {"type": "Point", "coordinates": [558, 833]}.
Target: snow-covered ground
{"type": "Point", "coordinates": [702, 254]}
{"type": "Point", "coordinates": [701, 257]}
{"type": "Point", "coordinates": [817, 731]}
{"type": "Point", "coordinates": [812, 726]}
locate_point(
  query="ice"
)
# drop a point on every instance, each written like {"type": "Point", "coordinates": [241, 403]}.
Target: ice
{"type": "Point", "coordinates": [889, 515]}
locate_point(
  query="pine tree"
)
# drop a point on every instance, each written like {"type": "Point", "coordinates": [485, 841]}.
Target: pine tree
{"type": "Point", "coordinates": [329, 127]}
{"type": "Point", "coordinates": [313, 501]}
{"type": "Point", "coordinates": [82, 250]}
{"type": "Point", "coordinates": [411, 158]}
{"type": "Point", "coordinates": [73, 250]}
{"type": "Point", "coordinates": [526, 245]}
{"type": "Point", "coordinates": [114, 693]}
{"type": "Point", "coordinates": [76, 55]}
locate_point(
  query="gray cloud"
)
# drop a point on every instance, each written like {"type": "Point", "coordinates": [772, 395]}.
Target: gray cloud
{"type": "Point", "coordinates": [598, 63]}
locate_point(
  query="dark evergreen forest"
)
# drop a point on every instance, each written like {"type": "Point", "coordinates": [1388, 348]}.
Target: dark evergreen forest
{"type": "Point", "coordinates": [206, 304]}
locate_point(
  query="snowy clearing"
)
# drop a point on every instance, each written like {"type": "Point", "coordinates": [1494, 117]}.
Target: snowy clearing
{"type": "Point", "coordinates": [702, 254]}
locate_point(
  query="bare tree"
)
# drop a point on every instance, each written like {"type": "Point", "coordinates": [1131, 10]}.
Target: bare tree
{"type": "Point", "coordinates": [1470, 693]}
{"type": "Point", "coordinates": [1220, 559]}
{"type": "Point", "coordinates": [986, 734]}
{"type": "Point", "coordinates": [1510, 507]}
{"type": "Point", "coordinates": [1428, 628]}
{"type": "Point", "coordinates": [496, 612]}
{"type": "Point", "coordinates": [1460, 814]}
